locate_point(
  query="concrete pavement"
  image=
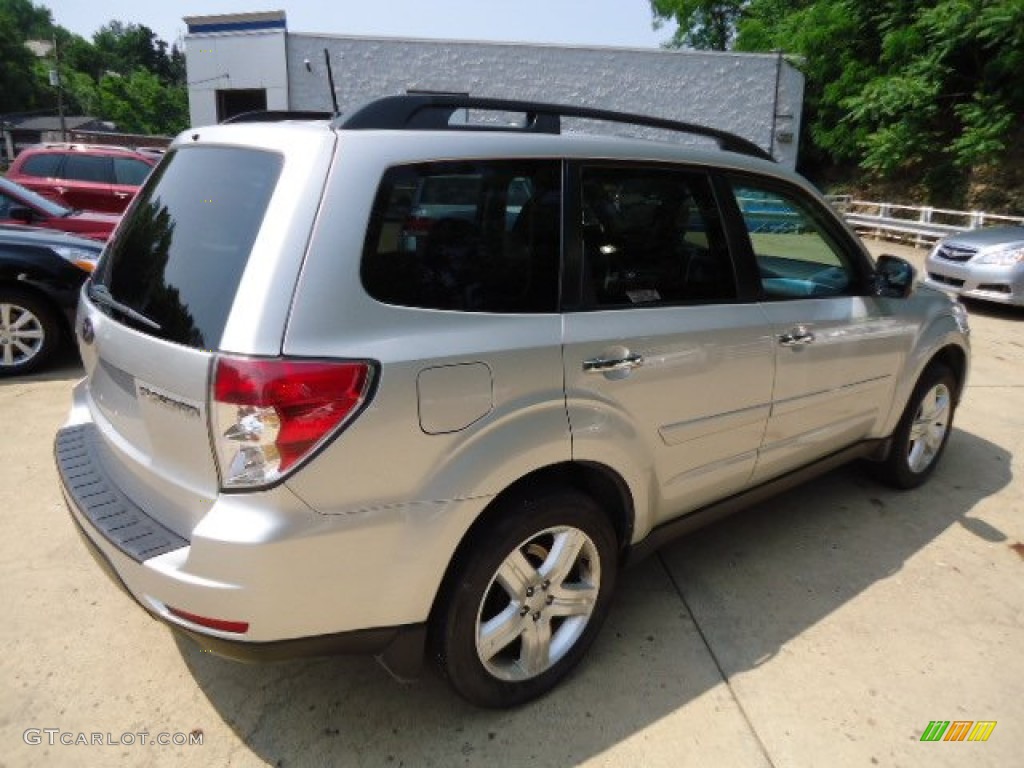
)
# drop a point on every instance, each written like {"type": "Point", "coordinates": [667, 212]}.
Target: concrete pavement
{"type": "Point", "coordinates": [824, 628]}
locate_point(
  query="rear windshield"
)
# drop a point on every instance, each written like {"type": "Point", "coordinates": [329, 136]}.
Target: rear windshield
{"type": "Point", "coordinates": [177, 259]}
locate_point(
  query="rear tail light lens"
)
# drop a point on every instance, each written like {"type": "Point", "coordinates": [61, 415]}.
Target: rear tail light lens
{"type": "Point", "coordinates": [270, 415]}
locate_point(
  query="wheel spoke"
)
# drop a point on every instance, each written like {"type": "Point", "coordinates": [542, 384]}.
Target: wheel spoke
{"type": "Point", "coordinates": [26, 350]}
{"type": "Point", "coordinates": [5, 315]}
{"type": "Point", "coordinates": [516, 574]}
{"type": "Point", "coordinates": [24, 319]}
{"type": "Point", "coordinates": [8, 354]}
{"type": "Point", "coordinates": [919, 428]}
{"type": "Point", "coordinates": [501, 631]}
{"type": "Point", "coordinates": [34, 333]}
{"type": "Point", "coordinates": [577, 600]}
{"type": "Point", "coordinates": [564, 552]}
{"type": "Point", "coordinates": [929, 428]}
{"type": "Point", "coordinates": [536, 654]}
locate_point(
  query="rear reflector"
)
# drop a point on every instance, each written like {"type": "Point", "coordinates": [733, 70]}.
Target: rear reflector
{"type": "Point", "coordinates": [270, 414]}
{"type": "Point", "coordinates": [238, 627]}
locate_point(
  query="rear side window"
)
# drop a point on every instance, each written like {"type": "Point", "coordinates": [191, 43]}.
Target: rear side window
{"type": "Point", "coordinates": [130, 171]}
{"type": "Point", "coordinates": [652, 237]}
{"type": "Point", "coordinates": [88, 168]}
{"type": "Point", "coordinates": [179, 256]}
{"type": "Point", "coordinates": [467, 236]}
{"type": "Point", "coordinates": [43, 166]}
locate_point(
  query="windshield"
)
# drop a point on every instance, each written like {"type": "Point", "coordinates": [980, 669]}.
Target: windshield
{"type": "Point", "coordinates": [174, 265]}
{"type": "Point", "coordinates": [35, 200]}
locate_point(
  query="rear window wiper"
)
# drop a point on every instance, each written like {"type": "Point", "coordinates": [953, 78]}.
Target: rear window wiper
{"type": "Point", "coordinates": [101, 295]}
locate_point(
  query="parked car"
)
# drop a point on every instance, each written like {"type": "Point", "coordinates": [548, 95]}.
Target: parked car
{"type": "Point", "coordinates": [89, 177]}
{"type": "Point", "coordinates": [19, 205]}
{"type": "Point", "coordinates": [985, 264]}
{"type": "Point", "coordinates": [311, 438]}
{"type": "Point", "coordinates": [41, 274]}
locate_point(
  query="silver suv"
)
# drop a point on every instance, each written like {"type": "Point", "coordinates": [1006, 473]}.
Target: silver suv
{"type": "Point", "coordinates": [303, 431]}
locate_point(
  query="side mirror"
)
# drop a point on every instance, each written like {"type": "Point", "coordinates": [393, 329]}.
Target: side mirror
{"type": "Point", "coordinates": [894, 277]}
{"type": "Point", "coordinates": [21, 213]}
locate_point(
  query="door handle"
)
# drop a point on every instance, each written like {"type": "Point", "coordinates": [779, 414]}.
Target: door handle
{"type": "Point", "coordinates": [122, 195]}
{"type": "Point", "coordinates": [602, 365]}
{"type": "Point", "coordinates": [796, 337]}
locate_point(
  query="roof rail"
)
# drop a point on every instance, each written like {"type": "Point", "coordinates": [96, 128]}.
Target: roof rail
{"type": "Point", "coordinates": [433, 111]}
{"type": "Point", "coordinates": [276, 115]}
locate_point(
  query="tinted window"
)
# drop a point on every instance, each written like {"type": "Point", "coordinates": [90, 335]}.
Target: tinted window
{"type": "Point", "coordinates": [651, 237]}
{"type": "Point", "coordinates": [477, 237]}
{"type": "Point", "coordinates": [44, 166]}
{"type": "Point", "coordinates": [88, 168]}
{"type": "Point", "coordinates": [795, 256]}
{"type": "Point", "coordinates": [128, 170]}
{"type": "Point", "coordinates": [179, 256]}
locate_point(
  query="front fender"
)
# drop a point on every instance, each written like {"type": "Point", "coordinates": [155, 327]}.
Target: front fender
{"type": "Point", "coordinates": [940, 334]}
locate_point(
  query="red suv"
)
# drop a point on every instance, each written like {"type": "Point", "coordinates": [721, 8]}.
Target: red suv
{"type": "Point", "coordinates": [94, 178]}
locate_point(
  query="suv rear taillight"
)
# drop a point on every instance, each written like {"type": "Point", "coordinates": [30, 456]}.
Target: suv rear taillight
{"type": "Point", "coordinates": [269, 415]}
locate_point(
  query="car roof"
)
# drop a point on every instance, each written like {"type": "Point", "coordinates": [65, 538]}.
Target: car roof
{"type": "Point", "coordinates": [421, 127]}
{"type": "Point", "coordinates": [89, 149]}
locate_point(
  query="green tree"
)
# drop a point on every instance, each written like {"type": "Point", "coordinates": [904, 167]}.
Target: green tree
{"type": "Point", "coordinates": [18, 90]}
{"type": "Point", "coordinates": [124, 48]}
{"type": "Point", "coordinates": [126, 74]}
{"type": "Point", "coordinates": [140, 103]}
{"type": "Point", "coordinates": [703, 24]}
{"type": "Point", "coordinates": [903, 88]}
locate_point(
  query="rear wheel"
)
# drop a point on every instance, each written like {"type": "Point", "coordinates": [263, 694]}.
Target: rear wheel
{"type": "Point", "coordinates": [923, 431]}
{"type": "Point", "coordinates": [526, 599]}
{"type": "Point", "coordinates": [28, 332]}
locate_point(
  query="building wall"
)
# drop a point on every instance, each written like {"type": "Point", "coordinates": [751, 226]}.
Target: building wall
{"type": "Point", "coordinates": [229, 60]}
{"type": "Point", "coordinates": [755, 96]}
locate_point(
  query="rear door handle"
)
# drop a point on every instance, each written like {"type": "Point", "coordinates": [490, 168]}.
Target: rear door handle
{"type": "Point", "coordinates": [608, 365]}
{"type": "Point", "coordinates": [796, 337]}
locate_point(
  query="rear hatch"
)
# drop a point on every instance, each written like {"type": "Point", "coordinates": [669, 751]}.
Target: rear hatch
{"type": "Point", "coordinates": [205, 262]}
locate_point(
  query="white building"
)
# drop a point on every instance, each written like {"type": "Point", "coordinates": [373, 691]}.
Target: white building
{"type": "Point", "coordinates": [242, 62]}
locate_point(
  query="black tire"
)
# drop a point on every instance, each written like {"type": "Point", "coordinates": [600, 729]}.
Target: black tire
{"type": "Point", "coordinates": [522, 543]}
{"type": "Point", "coordinates": [923, 431]}
{"type": "Point", "coordinates": [29, 332]}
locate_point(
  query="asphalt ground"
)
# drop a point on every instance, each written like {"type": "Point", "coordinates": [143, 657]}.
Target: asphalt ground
{"type": "Point", "coordinates": [827, 627]}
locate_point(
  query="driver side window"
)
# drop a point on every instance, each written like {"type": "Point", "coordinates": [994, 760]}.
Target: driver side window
{"type": "Point", "coordinates": [795, 258]}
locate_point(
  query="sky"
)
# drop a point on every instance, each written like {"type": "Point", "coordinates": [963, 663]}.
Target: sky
{"type": "Point", "coordinates": [621, 23]}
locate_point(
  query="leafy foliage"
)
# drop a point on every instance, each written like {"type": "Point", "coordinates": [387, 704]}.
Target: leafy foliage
{"type": "Point", "coordinates": [126, 74]}
{"type": "Point", "coordinates": [929, 88]}
{"type": "Point", "coordinates": [702, 23]}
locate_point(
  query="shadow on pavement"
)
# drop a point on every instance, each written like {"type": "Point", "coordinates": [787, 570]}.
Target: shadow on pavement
{"type": "Point", "coordinates": [64, 366]}
{"type": "Point", "coordinates": [993, 310]}
{"type": "Point", "coordinates": [766, 575]}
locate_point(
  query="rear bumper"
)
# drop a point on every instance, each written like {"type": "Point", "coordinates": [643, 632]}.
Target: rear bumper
{"type": "Point", "coordinates": [400, 649]}
{"type": "Point", "coordinates": [312, 585]}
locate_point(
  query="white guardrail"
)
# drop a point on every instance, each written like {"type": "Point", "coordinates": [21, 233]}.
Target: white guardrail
{"type": "Point", "coordinates": [918, 225]}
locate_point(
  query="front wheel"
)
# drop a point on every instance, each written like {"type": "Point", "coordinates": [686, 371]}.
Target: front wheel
{"type": "Point", "coordinates": [923, 431]}
{"type": "Point", "coordinates": [526, 599]}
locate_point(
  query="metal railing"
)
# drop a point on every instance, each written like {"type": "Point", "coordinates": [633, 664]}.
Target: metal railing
{"type": "Point", "coordinates": [917, 225]}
